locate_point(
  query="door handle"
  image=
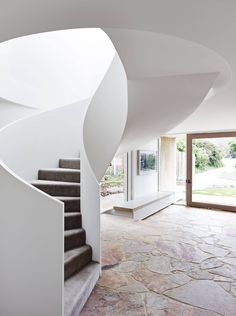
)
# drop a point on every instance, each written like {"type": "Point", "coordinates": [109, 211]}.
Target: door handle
{"type": "Point", "coordinates": [188, 181]}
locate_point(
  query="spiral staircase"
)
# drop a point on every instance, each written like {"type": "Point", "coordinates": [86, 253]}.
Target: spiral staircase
{"type": "Point", "coordinates": [146, 87]}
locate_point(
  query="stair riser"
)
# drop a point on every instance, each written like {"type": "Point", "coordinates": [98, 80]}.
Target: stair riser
{"type": "Point", "coordinates": [77, 263]}
{"type": "Point", "coordinates": [72, 222]}
{"type": "Point", "coordinates": [74, 241]}
{"type": "Point", "coordinates": [69, 164]}
{"type": "Point", "coordinates": [60, 190]}
{"type": "Point", "coordinates": [72, 206]}
{"type": "Point", "coordinates": [59, 176]}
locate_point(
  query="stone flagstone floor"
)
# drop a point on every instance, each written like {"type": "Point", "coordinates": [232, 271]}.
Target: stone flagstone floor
{"type": "Point", "coordinates": [178, 262]}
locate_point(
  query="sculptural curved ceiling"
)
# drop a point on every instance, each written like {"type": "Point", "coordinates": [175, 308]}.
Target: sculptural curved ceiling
{"type": "Point", "coordinates": [209, 24]}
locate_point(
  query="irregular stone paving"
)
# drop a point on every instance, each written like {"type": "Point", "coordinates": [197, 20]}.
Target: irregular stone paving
{"type": "Point", "coordinates": [178, 262]}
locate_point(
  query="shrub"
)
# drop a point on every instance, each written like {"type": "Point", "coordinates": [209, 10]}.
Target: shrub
{"type": "Point", "coordinates": [232, 148]}
{"type": "Point", "coordinates": [181, 145]}
{"type": "Point", "coordinates": [207, 155]}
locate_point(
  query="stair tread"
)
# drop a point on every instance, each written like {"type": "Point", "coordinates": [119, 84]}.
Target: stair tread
{"type": "Point", "coordinates": [50, 182]}
{"type": "Point", "coordinates": [67, 198]}
{"type": "Point", "coordinates": [61, 170]}
{"type": "Point", "coordinates": [73, 159]}
{"type": "Point", "coordinates": [70, 254]}
{"type": "Point", "coordinates": [71, 203]}
{"type": "Point", "coordinates": [71, 232]}
{"type": "Point", "coordinates": [79, 287]}
{"type": "Point", "coordinates": [72, 214]}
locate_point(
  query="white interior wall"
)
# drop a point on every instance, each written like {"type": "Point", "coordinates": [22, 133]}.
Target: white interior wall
{"type": "Point", "coordinates": [168, 164]}
{"type": "Point", "coordinates": [143, 185]}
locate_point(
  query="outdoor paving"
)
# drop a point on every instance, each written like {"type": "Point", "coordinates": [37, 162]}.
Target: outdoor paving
{"type": "Point", "coordinates": [180, 261]}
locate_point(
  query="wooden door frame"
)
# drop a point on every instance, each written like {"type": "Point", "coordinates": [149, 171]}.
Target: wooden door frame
{"type": "Point", "coordinates": [189, 201]}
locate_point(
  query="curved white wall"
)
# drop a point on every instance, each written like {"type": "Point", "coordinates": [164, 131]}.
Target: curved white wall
{"type": "Point", "coordinates": [31, 243]}
{"type": "Point", "coordinates": [106, 118]}
{"type": "Point", "coordinates": [40, 140]}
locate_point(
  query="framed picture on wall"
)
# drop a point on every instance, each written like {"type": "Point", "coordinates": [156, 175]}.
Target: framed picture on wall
{"type": "Point", "coordinates": [147, 162]}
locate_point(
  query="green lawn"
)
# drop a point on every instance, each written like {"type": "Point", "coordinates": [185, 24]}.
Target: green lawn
{"type": "Point", "coordinates": [217, 191]}
{"type": "Point", "coordinates": [114, 181]}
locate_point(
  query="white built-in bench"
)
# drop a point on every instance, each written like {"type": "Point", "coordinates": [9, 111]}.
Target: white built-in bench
{"type": "Point", "coordinates": [142, 207]}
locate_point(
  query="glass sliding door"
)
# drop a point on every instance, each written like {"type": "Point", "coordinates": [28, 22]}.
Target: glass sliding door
{"type": "Point", "coordinates": [211, 170]}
